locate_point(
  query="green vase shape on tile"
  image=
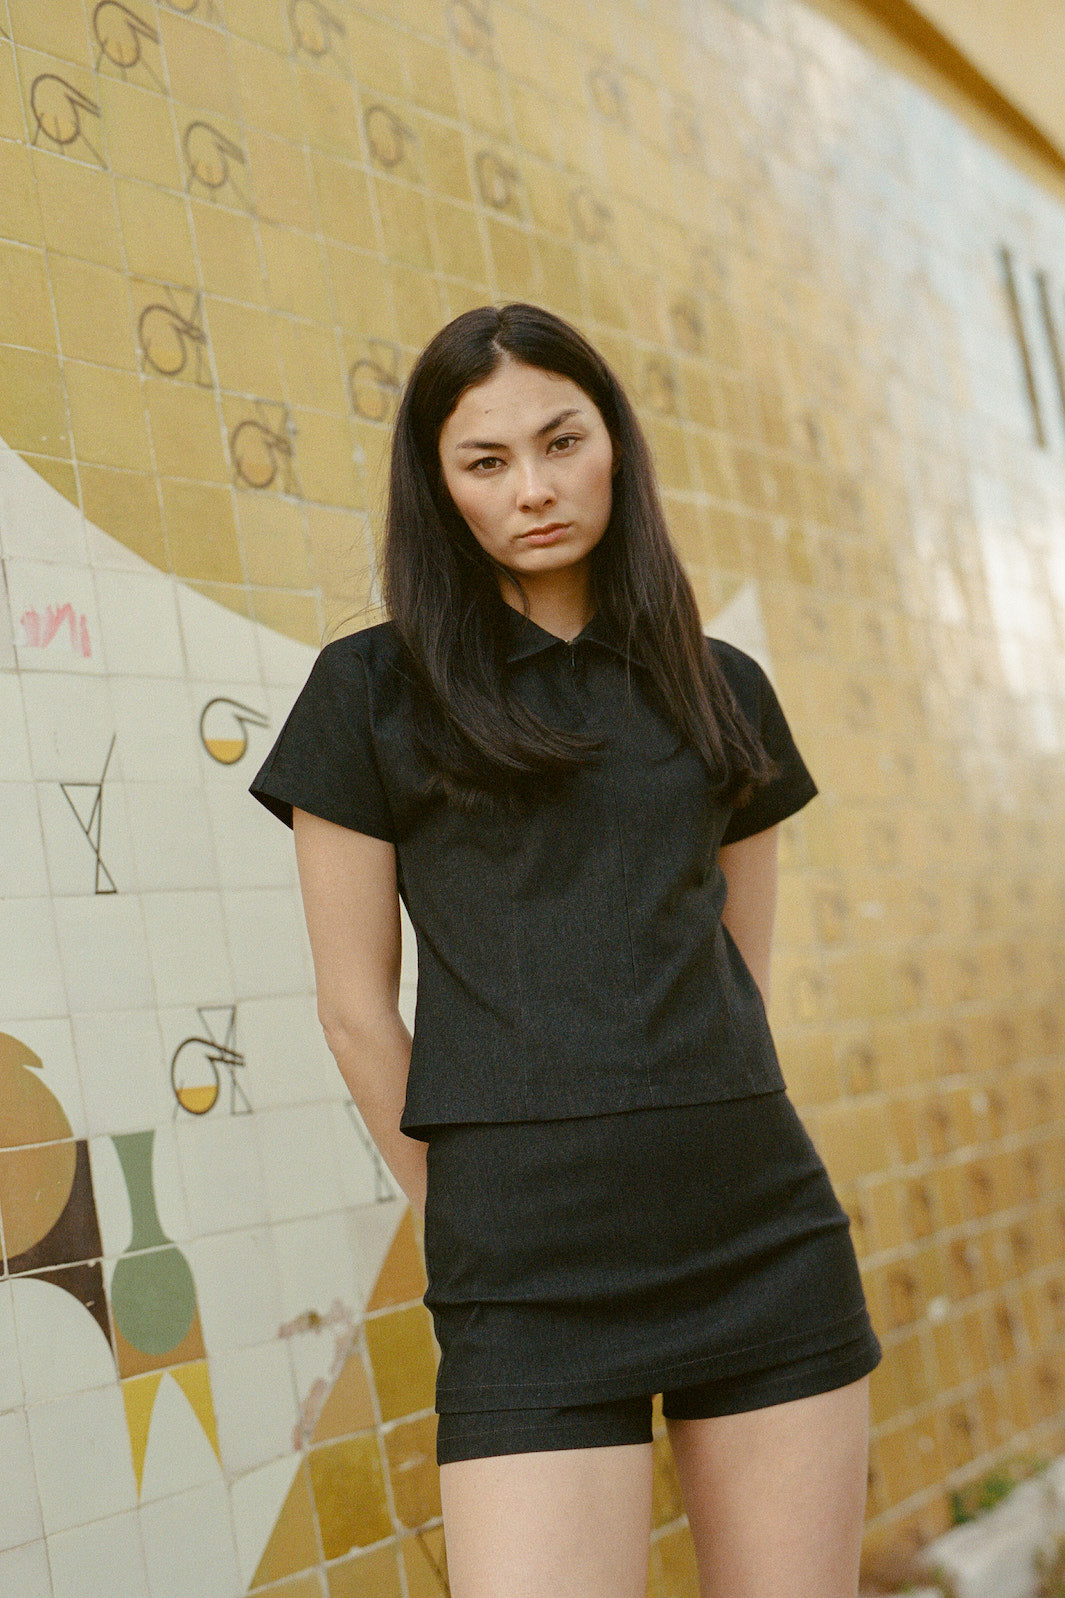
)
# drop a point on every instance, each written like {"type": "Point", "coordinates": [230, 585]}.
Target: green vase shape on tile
{"type": "Point", "coordinates": [153, 1295]}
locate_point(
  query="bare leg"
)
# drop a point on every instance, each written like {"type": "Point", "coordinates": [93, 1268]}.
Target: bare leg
{"type": "Point", "coordinates": [776, 1497]}
{"type": "Point", "coordinates": [558, 1523]}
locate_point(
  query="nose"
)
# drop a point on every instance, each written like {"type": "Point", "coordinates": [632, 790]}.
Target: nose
{"type": "Point", "coordinates": [534, 491]}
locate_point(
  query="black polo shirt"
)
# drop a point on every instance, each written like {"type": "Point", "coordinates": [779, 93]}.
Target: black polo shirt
{"type": "Point", "coordinates": [574, 962]}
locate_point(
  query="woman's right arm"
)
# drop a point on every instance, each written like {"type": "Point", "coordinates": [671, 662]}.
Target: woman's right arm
{"type": "Point", "coordinates": [351, 902]}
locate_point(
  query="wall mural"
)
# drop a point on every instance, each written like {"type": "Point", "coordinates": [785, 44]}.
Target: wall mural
{"type": "Point", "coordinates": [224, 231]}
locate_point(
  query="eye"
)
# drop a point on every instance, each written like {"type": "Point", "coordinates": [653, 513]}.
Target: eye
{"type": "Point", "coordinates": [484, 465]}
{"type": "Point", "coordinates": [565, 440]}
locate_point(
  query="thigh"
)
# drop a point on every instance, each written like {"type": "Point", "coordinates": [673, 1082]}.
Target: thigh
{"type": "Point", "coordinates": [555, 1523]}
{"type": "Point", "coordinates": [775, 1497]}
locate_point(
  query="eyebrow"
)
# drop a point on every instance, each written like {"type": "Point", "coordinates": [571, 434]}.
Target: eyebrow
{"type": "Point", "coordinates": [548, 427]}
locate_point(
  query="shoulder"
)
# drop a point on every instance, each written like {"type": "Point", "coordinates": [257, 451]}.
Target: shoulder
{"type": "Point", "coordinates": [743, 674]}
{"type": "Point", "coordinates": [372, 652]}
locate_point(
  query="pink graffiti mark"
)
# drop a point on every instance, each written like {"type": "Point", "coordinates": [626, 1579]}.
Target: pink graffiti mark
{"type": "Point", "coordinates": [40, 630]}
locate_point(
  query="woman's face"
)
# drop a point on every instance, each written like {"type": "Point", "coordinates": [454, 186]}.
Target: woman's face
{"type": "Point", "coordinates": [529, 463]}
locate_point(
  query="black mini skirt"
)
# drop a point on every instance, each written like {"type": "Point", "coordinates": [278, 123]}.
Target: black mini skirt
{"type": "Point", "coordinates": [597, 1257]}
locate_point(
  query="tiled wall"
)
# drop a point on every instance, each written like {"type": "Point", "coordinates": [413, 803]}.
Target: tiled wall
{"type": "Point", "coordinates": [225, 227]}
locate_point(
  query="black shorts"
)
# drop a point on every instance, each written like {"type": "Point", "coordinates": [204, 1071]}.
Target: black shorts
{"type": "Point", "coordinates": [577, 1267]}
{"type": "Point", "coordinates": [477, 1434]}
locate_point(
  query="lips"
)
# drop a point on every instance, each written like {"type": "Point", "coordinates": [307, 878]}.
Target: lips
{"type": "Point", "coordinates": [538, 532]}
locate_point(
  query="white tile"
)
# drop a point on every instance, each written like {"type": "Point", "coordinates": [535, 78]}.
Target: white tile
{"type": "Point", "coordinates": [364, 1176]}
{"type": "Point", "coordinates": [76, 819]}
{"type": "Point", "coordinates": [258, 1498]}
{"type": "Point", "coordinates": [20, 1509]}
{"type": "Point", "coordinates": [51, 1041]}
{"type": "Point", "coordinates": [231, 721]}
{"type": "Point", "coordinates": [219, 1158]}
{"type": "Point", "coordinates": [24, 1570]}
{"type": "Point", "coordinates": [371, 1231]}
{"type": "Point", "coordinates": [81, 1450]}
{"type": "Point", "coordinates": [167, 1184]}
{"type": "Point", "coordinates": [171, 836]}
{"type": "Point", "coordinates": [156, 724]}
{"type": "Point", "coordinates": [187, 948]}
{"type": "Point", "coordinates": [11, 1391]}
{"type": "Point", "coordinates": [188, 1546]}
{"type": "Point", "coordinates": [22, 868]}
{"type": "Point", "coordinates": [219, 644]}
{"type": "Point", "coordinates": [105, 553]}
{"type": "Point", "coordinates": [241, 1319]}
{"type": "Point", "coordinates": [179, 1454]}
{"type": "Point", "coordinates": [36, 520]}
{"type": "Point", "coordinates": [139, 621]}
{"type": "Point", "coordinates": [54, 617]}
{"type": "Point", "coordinates": [256, 1405]}
{"type": "Point", "coordinates": [63, 1349]}
{"type": "Point", "coordinates": [101, 940]}
{"type": "Point", "coordinates": [268, 944]}
{"type": "Point", "coordinates": [8, 660]}
{"type": "Point", "coordinates": [288, 1059]}
{"type": "Point", "coordinates": [283, 661]}
{"type": "Point", "coordinates": [298, 1162]}
{"type": "Point", "coordinates": [203, 1051]}
{"type": "Point", "coordinates": [69, 724]}
{"type": "Point", "coordinates": [124, 1075]}
{"type": "Point", "coordinates": [106, 1557]}
{"type": "Point", "coordinates": [14, 744]}
{"type": "Point", "coordinates": [29, 959]}
{"type": "Point", "coordinates": [315, 1266]}
{"type": "Point", "coordinates": [253, 848]}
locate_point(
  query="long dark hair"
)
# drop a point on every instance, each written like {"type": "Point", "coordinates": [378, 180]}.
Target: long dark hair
{"type": "Point", "coordinates": [442, 595]}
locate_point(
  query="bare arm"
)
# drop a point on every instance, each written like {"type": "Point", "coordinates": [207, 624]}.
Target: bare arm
{"type": "Point", "coordinates": [750, 868]}
{"type": "Point", "coordinates": [351, 902]}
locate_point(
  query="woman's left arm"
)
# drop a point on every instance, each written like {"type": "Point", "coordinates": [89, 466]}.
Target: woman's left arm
{"type": "Point", "coordinates": [750, 869]}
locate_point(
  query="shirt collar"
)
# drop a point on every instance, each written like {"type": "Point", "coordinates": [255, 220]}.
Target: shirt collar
{"type": "Point", "coordinates": [525, 637]}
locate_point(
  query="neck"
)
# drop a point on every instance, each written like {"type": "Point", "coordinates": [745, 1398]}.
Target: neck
{"type": "Point", "coordinates": [560, 602]}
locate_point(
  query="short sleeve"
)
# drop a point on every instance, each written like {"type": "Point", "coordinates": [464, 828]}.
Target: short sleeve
{"type": "Point", "coordinates": [793, 786]}
{"type": "Point", "coordinates": [323, 760]}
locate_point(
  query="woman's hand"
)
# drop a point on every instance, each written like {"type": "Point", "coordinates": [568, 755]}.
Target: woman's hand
{"type": "Point", "coordinates": [750, 869]}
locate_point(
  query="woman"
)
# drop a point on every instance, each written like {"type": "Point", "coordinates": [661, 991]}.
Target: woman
{"type": "Point", "coordinates": [577, 796]}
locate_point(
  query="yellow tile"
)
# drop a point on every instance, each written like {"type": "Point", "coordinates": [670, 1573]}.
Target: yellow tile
{"type": "Point", "coordinates": [514, 258]}
{"type": "Point", "coordinates": [412, 1469]}
{"type": "Point", "coordinates": [12, 115]}
{"type": "Point", "coordinates": [666, 1504]}
{"type": "Point", "coordinates": [309, 1585]}
{"type": "Point", "coordinates": [261, 25]}
{"type": "Point", "coordinates": [198, 64]}
{"type": "Point", "coordinates": [292, 615]}
{"type": "Point", "coordinates": [171, 336]}
{"type": "Point", "coordinates": [77, 209]}
{"type": "Point", "coordinates": [141, 141]}
{"type": "Point", "coordinates": [444, 158]}
{"type": "Point", "coordinates": [292, 1545]}
{"type": "Point", "coordinates": [156, 233]}
{"type": "Point", "coordinates": [391, 139]}
{"type": "Point", "coordinates": [324, 459]}
{"type": "Point", "coordinates": [295, 276]}
{"type": "Point", "coordinates": [201, 534]}
{"type": "Point", "coordinates": [402, 1276]}
{"type": "Point", "coordinates": [340, 555]}
{"type": "Point", "coordinates": [60, 474]}
{"type": "Point", "coordinates": [671, 1566]}
{"type": "Point", "coordinates": [376, 53]}
{"type": "Point", "coordinates": [33, 414]}
{"type": "Point", "coordinates": [186, 431]}
{"type": "Point", "coordinates": [266, 83]}
{"type": "Point", "coordinates": [260, 439]}
{"type": "Point", "coordinates": [330, 113]}
{"type": "Point", "coordinates": [228, 252]}
{"type": "Point", "coordinates": [349, 1494]}
{"type": "Point", "coordinates": [243, 347]}
{"type": "Point", "coordinates": [419, 308]}
{"type": "Point", "coordinates": [373, 1575]}
{"type": "Point", "coordinates": [560, 276]}
{"type": "Point", "coordinates": [320, 37]}
{"type": "Point", "coordinates": [273, 537]}
{"type": "Point", "coordinates": [62, 108]}
{"type": "Point", "coordinates": [425, 1563]}
{"type": "Point", "coordinates": [481, 95]}
{"type": "Point", "coordinates": [430, 77]}
{"type": "Point", "coordinates": [403, 1361]}
{"type": "Point", "coordinates": [281, 181]}
{"type": "Point", "coordinates": [459, 248]}
{"type": "Point", "coordinates": [344, 202]}
{"type": "Point", "coordinates": [58, 28]}
{"type": "Point", "coordinates": [25, 305]}
{"type": "Point", "coordinates": [237, 599]}
{"type": "Point", "coordinates": [349, 1407]}
{"type": "Point", "coordinates": [363, 289]}
{"type": "Point", "coordinates": [93, 310]}
{"type": "Point", "coordinates": [125, 505]}
{"type": "Point", "coordinates": [214, 158]}
{"type": "Point", "coordinates": [373, 378]}
{"type": "Point", "coordinates": [107, 415]}
{"type": "Point", "coordinates": [126, 47]}
{"type": "Point", "coordinates": [314, 374]}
